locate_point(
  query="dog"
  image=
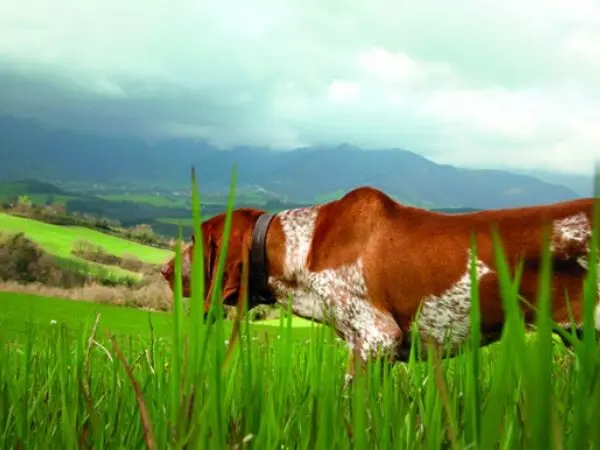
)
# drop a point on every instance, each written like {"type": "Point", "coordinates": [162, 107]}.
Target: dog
{"type": "Point", "coordinates": [367, 264]}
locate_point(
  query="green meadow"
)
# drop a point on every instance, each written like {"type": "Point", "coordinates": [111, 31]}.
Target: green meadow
{"type": "Point", "coordinates": [178, 381]}
{"type": "Point", "coordinates": [17, 310]}
{"type": "Point", "coordinates": [60, 240]}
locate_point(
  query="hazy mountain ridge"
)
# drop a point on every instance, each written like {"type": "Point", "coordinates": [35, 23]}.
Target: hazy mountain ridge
{"type": "Point", "coordinates": [31, 151]}
{"type": "Point", "coordinates": [581, 184]}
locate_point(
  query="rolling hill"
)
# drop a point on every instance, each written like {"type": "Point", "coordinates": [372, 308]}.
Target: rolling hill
{"type": "Point", "coordinates": [31, 151]}
{"type": "Point", "coordinates": [60, 240]}
{"type": "Point", "coordinates": [38, 192]}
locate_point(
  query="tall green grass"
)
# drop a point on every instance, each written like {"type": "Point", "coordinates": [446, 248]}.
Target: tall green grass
{"type": "Point", "coordinates": [195, 391]}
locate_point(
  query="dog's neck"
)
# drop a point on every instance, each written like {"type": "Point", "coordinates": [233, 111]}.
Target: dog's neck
{"type": "Point", "coordinates": [259, 263]}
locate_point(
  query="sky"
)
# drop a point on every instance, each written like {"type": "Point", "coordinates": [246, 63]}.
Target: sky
{"type": "Point", "coordinates": [479, 83]}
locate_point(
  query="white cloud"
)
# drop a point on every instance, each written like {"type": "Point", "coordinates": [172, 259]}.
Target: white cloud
{"type": "Point", "coordinates": [391, 68]}
{"type": "Point", "coordinates": [514, 115]}
{"type": "Point", "coordinates": [342, 91]}
{"type": "Point", "coordinates": [400, 69]}
{"type": "Point", "coordinates": [481, 83]}
{"type": "Point", "coordinates": [584, 44]}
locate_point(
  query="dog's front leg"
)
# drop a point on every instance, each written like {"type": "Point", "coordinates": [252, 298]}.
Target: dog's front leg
{"type": "Point", "coordinates": [362, 349]}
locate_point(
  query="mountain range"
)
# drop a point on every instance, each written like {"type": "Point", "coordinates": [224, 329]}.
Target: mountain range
{"type": "Point", "coordinates": [30, 150]}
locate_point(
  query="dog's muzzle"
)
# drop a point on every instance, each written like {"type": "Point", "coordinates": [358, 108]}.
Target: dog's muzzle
{"type": "Point", "coordinates": [165, 270]}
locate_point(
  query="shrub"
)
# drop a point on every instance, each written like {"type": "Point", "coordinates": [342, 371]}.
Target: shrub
{"type": "Point", "coordinates": [24, 261]}
{"type": "Point", "coordinates": [152, 296]}
{"type": "Point", "coordinates": [95, 253]}
{"type": "Point", "coordinates": [86, 250]}
{"type": "Point", "coordinates": [68, 279]}
{"type": "Point", "coordinates": [144, 234]}
{"type": "Point", "coordinates": [263, 312]}
{"type": "Point", "coordinates": [133, 263]}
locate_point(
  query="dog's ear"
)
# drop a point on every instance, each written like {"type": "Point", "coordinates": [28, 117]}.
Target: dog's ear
{"type": "Point", "coordinates": [211, 263]}
{"type": "Point", "coordinates": [237, 254]}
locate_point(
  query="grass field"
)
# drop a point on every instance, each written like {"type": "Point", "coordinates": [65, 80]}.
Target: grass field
{"type": "Point", "coordinates": [59, 240]}
{"type": "Point", "coordinates": [17, 309]}
{"type": "Point", "coordinates": [164, 382]}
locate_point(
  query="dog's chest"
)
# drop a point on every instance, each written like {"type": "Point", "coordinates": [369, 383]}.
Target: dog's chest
{"type": "Point", "coordinates": [302, 301]}
{"type": "Point", "coordinates": [298, 229]}
{"type": "Point", "coordinates": [331, 292]}
{"type": "Point", "coordinates": [312, 294]}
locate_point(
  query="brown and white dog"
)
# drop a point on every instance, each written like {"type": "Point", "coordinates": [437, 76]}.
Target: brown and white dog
{"type": "Point", "coordinates": [369, 263]}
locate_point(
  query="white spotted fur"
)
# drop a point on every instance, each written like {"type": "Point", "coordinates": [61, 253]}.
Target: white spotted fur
{"type": "Point", "coordinates": [573, 228]}
{"type": "Point", "coordinates": [186, 264]}
{"type": "Point", "coordinates": [577, 228]}
{"type": "Point", "coordinates": [447, 316]}
{"type": "Point", "coordinates": [337, 294]}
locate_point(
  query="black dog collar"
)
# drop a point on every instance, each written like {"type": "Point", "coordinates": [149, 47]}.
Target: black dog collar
{"type": "Point", "coordinates": [258, 279]}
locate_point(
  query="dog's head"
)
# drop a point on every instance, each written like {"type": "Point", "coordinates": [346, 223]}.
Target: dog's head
{"type": "Point", "coordinates": [238, 251]}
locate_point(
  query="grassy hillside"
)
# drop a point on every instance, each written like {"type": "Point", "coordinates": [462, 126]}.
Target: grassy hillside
{"type": "Point", "coordinates": [39, 193]}
{"type": "Point", "coordinates": [61, 240]}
